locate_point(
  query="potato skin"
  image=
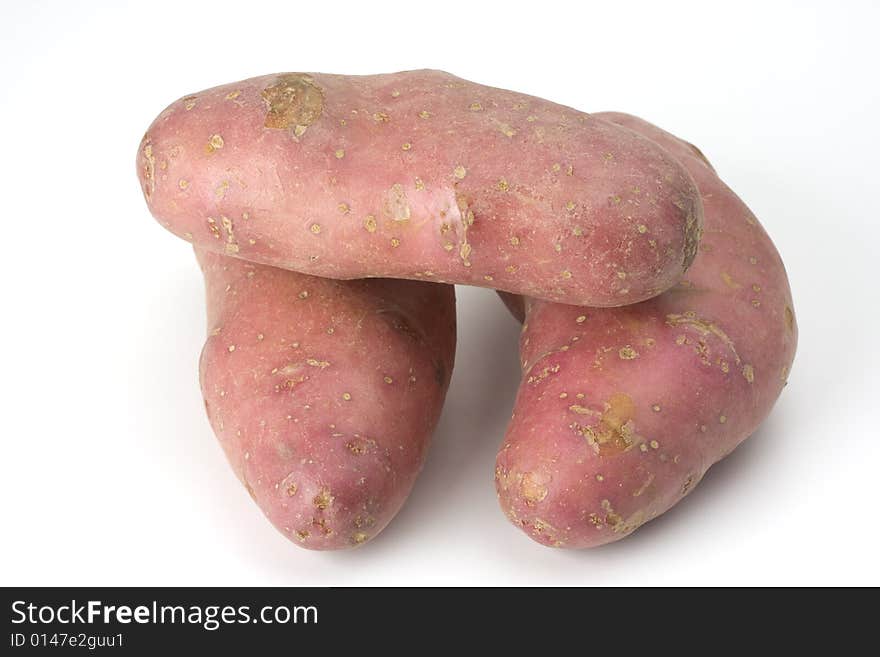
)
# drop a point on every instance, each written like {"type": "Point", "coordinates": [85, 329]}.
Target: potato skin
{"type": "Point", "coordinates": [422, 175]}
{"type": "Point", "coordinates": [324, 394]}
{"type": "Point", "coordinates": [621, 411]}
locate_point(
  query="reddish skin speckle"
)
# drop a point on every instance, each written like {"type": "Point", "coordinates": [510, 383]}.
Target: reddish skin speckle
{"type": "Point", "coordinates": [676, 446]}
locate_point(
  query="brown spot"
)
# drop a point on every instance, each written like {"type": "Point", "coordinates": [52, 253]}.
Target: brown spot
{"type": "Point", "coordinates": [397, 204]}
{"type": "Point", "coordinates": [323, 499]}
{"type": "Point", "coordinates": [215, 143]}
{"type": "Point", "coordinates": [729, 282]}
{"type": "Point", "coordinates": [370, 223]}
{"type": "Point", "coordinates": [359, 446]}
{"type": "Point", "coordinates": [358, 537]}
{"type": "Point", "coordinates": [628, 353]}
{"type": "Point", "coordinates": [149, 170]}
{"type": "Point", "coordinates": [533, 488]}
{"type": "Point", "coordinates": [789, 319]}
{"type": "Point", "coordinates": [645, 484]}
{"type": "Point", "coordinates": [692, 233]}
{"type": "Point", "coordinates": [749, 373]}
{"type": "Point", "coordinates": [294, 101]}
{"type": "Point", "coordinates": [615, 432]}
{"type": "Point", "coordinates": [703, 327]}
{"type": "Point", "coordinates": [505, 129]}
{"type": "Point", "coordinates": [612, 519]}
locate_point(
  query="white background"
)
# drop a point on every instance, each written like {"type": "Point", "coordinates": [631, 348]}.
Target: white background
{"type": "Point", "coordinates": [111, 474]}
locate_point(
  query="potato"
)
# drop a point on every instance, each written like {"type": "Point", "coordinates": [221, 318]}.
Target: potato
{"type": "Point", "coordinates": [621, 411]}
{"type": "Point", "coordinates": [324, 393]}
{"type": "Point", "coordinates": [422, 175]}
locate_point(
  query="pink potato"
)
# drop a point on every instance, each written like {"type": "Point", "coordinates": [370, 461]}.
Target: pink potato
{"type": "Point", "coordinates": [621, 411]}
{"type": "Point", "coordinates": [324, 393]}
{"type": "Point", "coordinates": [422, 175]}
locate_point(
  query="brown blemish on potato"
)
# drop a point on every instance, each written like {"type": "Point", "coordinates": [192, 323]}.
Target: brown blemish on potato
{"type": "Point", "coordinates": [359, 446]}
{"type": "Point", "coordinates": [215, 143]}
{"type": "Point", "coordinates": [628, 353]}
{"type": "Point", "coordinates": [302, 534]}
{"type": "Point", "coordinates": [149, 170]}
{"type": "Point", "coordinates": [748, 373]}
{"type": "Point", "coordinates": [543, 374]}
{"type": "Point", "coordinates": [231, 243]}
{"type": "Point", "coordinates": [370, 223]}
{"type": "Point", "coordinates": [688, 483]}
{"type": "Point", "coordinates": [505, 129]}
{"type": "Point", "coordinates": [704, 328]}
{"type": "Point", "coordinates": [615, 432]}
{"type": "Point", "coordinates": [358, 537]}
{"type": "Point", "coordinates": [294, 101]}
{"type": "Point", "coordinates": [213, 227]}
{"type": "Point", "coordinates": [615, 521]}
{"type": "Point", "coordinates": [692, 233]}
{"type": "Point", "coordinates": [459, 172]}
{"type": "Point", "coordinates": [532, 488]}
{"type": "Point", "coordinates": [543, 527]}
{"type": "Point", "coordinates": [396, 204]}
{"type": "Point", "coordinates": [645, 484]}
{"type": "Point", "coordinates": [729, 282]}
{"type": "Point", "coordinates": [362, 521]}
{"type": "Point", "coordinates": [612, 519]}
{"type": "Point", "coordinates": [789, 319]}
{"type": "Point", "coordinates": [323, 499]}
{"type": "Point", "coordinates": [424, 114]}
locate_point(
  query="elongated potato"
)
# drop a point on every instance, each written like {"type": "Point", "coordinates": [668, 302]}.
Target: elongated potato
{"type": "Point", "coordinates": [324, 394]}
{"type": "Point", "coordinates": [422, 175]}
{"type": "Point", "coordinates": [621, 411]}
